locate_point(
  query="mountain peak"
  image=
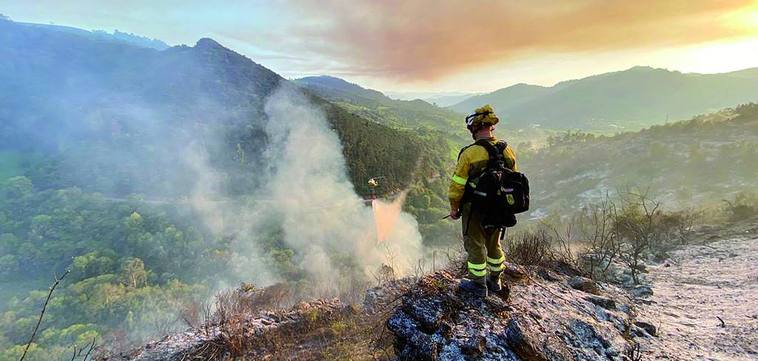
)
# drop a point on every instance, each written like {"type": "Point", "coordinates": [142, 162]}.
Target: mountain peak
{"type": "Point", "coordinates": [643, 68]}
{"type": "Point", "coordinates": [327, 80]}
{"type": "Point", "coordinates": [208, 43]}
{"type": "Point", "coordinates": [329, 77]}
{"type": "Point", "coordinates": [523, 86]}
{"type": "Point", "coordinates": [338, 87]}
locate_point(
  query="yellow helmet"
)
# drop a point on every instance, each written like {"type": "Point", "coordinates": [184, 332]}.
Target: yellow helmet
{"type": "Point", "coordinates": [482, 116]}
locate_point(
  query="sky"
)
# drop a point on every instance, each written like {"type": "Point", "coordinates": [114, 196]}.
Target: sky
{"type": "Point", "coordinates": [437, 46]}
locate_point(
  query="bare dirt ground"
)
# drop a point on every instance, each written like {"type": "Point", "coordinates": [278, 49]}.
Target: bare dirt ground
{"type": "Point", "coordinates": [693, 289]}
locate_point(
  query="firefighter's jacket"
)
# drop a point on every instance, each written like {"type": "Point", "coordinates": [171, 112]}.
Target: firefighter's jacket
{"type": "Point", "coordinates": [471, 162]}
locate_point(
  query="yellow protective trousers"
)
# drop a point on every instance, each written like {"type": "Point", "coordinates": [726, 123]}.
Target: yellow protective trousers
{"type": "Point", "coordinates": [482, 246]}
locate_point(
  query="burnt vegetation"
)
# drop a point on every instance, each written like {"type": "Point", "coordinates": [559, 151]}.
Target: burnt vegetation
{"type": "Point", "coordinates": [614, 240]}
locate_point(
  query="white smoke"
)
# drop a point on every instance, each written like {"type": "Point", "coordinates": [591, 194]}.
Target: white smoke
{"type": "Point", "coordinates": [306, 194]}
{"type": "Point", "coordinates": [321, 215]}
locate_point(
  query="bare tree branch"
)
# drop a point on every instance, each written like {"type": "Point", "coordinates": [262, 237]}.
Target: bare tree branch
{"type": "Point", "coordinates": [73, 357]}
{"type": "Point", "coordinates": [42, 313]}
{"type": "Point", "coordinates": [89, 351]}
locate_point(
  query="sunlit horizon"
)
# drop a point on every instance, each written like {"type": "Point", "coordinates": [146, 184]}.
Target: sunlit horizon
{"type": "Point", "coordinates": [308, 40]}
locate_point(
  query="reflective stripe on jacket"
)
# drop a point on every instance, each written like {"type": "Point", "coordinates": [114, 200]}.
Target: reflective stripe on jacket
{"type": "Point", "coordinates": [471, 162]}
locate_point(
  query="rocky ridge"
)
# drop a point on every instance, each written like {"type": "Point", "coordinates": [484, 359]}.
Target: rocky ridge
{"type": "Point", "coordinates": [552, 314]}
{"type": "Point", "coordinates": [553, 319]}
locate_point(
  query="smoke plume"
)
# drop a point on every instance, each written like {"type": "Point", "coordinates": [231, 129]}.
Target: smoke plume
{"type": "Point", "coordinates": [308, 203]}
{"type": "Point", "coordinates": [321, 215]}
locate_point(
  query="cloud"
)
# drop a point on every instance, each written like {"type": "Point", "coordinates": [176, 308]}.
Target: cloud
{"type": "Point", "coordinates": [421, 42]}
{"type": "Point", "coordinates": [427, 40]}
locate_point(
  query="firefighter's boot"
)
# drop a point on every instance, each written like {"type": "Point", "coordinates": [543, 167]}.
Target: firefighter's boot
{"type": "Point", "coordinates": [493, 282]}
{"type": "Point", "coordinates": [476, 287]}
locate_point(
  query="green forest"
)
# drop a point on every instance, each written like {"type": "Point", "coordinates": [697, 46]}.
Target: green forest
{"type": "Point", "coordinates": [130, 265]}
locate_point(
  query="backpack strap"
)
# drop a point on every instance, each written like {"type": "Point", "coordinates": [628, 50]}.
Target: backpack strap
{"type": "Point", "coordinates": [501, 145]}
{"type": "Point", "coordinates": [462, 150]}
{"type": "Point", "coordinates": [495, 151]}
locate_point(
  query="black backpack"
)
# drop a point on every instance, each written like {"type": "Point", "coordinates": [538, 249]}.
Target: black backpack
{"type": "Point", "coordinates": [498, 193]}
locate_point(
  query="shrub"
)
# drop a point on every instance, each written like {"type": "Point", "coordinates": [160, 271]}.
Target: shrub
{"type": "Point", "coordinates": [232, 309]}
{"type": "Point", "coordinates": [596, 225]}
{"type": "Point", "coordinates": [744, 206]}
{"type": "Point", "coordinates": [530, 247]}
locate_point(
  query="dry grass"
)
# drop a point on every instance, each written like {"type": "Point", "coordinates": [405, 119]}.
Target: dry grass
{"type": "Point", "coordinates": [312, 331]}
{"type": "Point", "coordinates": [530, 248]}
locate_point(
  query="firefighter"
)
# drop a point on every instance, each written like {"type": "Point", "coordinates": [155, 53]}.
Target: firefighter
{"type": "Point", "coordinates": [485, 254]}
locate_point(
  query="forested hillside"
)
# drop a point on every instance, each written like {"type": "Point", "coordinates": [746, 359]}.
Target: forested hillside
{"type": "Point", "coordinates": [119, 115]}
{"type": "Point", "coordinates": [691, 163]}
{"type": "Point", "coordinates": [140, 170]}
{"type": "Point", "coordinates": [128, 262]}
{"type": "Point", "coordinates": [375, 106]}
{"type": "Point", "coordinates": [627, 100]}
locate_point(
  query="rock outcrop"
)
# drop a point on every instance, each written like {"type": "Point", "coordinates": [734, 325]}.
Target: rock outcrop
{"type": "Point", "coordinates": [541, 321]}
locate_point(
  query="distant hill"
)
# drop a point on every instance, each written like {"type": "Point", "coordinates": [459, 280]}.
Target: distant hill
{"type": "Point", "coordinates": [103, 110]}
{"type": "Point", "coordinates": [446, 100]}
{"type": "Point", "coordinates": [440, 99]}
{"type": "Point", "coordinates": [132, 39]}
{"type": "Point", "coordinates": [503, 99]}
{"type": "Point", "coordinates": [100, 35]}
{"type": "Point", "coordinates": [624, 100]}
{"type": "Point", "coordinates": [335, 88]}
{"type": "Point", "coordinates": [373, 105]}
{"type": "Point", "coordinates": [688, 163]}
